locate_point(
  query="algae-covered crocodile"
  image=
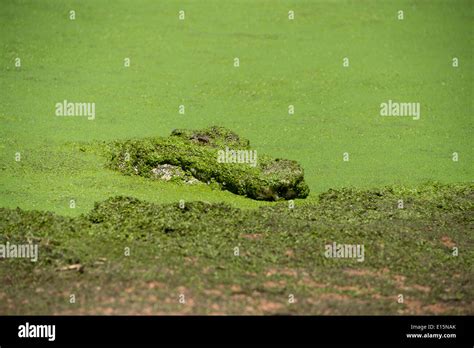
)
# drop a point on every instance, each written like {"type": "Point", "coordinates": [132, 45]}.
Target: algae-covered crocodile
{"type": "Point", "coordinates": [214, 154]}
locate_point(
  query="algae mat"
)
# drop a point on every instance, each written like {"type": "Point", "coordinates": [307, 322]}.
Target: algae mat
{"type": "Point", "coordinates": [128, 256]}
{"type": "Point", "coordinates": [182, 74]}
